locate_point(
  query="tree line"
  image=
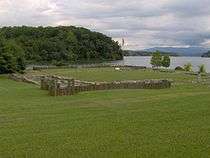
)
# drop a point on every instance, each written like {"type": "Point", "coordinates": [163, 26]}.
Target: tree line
{"type": "Point", "coordinates": [53, 45]}
{"type": "Point", "coordinates": [145, 53]}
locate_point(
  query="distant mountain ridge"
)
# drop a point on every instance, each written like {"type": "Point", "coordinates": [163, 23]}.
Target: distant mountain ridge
{"type": "Point", "coordinates": [206, 55]}
{"type": "Point", "coordinates": [190, 51]}
{"type": "Point", "coordinates": [145, 53]}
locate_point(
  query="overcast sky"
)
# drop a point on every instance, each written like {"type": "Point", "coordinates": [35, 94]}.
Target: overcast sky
{"type": "Point", "coordinates": [142, 23]}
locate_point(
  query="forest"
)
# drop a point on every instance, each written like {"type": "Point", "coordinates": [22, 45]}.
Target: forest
{"type": "Point", "coordinates": [53, 45]}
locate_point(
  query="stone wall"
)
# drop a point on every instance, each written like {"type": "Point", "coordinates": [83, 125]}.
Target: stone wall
{"type": "Point", "coordinates": [22, 78]}
{"type": "Point", "coordinates": [58, 86]}
{"type": "Point", "coordinates": [61, 86]}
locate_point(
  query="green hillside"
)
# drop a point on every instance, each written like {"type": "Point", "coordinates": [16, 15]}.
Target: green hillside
{"type": "Point", "coordinates": [56, 45]}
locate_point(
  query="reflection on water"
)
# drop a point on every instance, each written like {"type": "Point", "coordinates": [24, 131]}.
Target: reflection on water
{"type": "Point", "coordinates": [175, 61]}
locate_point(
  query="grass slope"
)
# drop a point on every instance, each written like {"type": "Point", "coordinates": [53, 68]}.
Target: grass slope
{"type": "Point", "coordinates": [121, 123]}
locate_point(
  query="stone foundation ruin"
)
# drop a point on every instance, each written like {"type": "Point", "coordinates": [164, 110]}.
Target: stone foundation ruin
{"type": "Point", "coordinates": [60, 86]}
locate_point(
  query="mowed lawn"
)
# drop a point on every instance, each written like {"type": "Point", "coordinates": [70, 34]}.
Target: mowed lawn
{"type": "Point", "coordinates": [110, 74]}
{"type": "Point", "coordinates": [106, 124]}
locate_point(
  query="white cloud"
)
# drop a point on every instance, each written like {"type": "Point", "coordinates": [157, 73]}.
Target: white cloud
{"type": "Point", "coordinates": [143, 23]}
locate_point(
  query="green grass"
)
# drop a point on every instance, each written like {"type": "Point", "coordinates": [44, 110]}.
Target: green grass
{"type": "Point", "coordinates": [120, 123]}
{"type": "Point", "coordinates": [110, 74]}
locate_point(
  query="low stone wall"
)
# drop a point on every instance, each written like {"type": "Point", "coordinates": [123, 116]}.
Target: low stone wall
{"type": "Point", "coordinates": [61, 86]}
{"type": "Point", "coordinates": [58, 86]}
{"type": "Point", "coordinates": [22, 78]}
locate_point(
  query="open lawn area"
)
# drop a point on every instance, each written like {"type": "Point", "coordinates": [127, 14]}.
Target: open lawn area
{"type": "Point", "coordinates": [110, 74]}
{"type": "Point", "coordinates": [172, 123]}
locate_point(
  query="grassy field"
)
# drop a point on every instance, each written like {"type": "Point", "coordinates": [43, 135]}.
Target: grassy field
{"type": "Point", "coordinates": [110, 74]}
{"type": "Point", "coordinates": [115, 124]}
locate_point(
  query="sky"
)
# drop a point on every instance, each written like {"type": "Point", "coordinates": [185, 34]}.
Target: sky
{"type": "Point", "coordinates": [142, 23]}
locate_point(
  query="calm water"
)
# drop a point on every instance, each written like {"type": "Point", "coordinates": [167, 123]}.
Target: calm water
{"type": "Point", "coordinates": [175, 61]}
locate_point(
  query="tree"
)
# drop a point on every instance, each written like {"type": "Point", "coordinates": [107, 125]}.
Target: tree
{"type": "Point", "coordinates": [166, 61]}
{"type": "Point", "coordinates": [7, 63]}
{"type": "Point", "coordinates": [156, 60]}
{"type": "Point", "coordinates": [64, 43]}
{"type": "Point", "coordinates": [202, 69]}
{"type": "Point", "coordinates": [11, 58]}
{"type": "Point", "coordinates": [188, 67]}
{"type": "Point", "coordinates": [21, 65]}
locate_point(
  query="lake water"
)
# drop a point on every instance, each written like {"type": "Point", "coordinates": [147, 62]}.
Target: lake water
{"type": "Point", "coordinates": [175, 61]}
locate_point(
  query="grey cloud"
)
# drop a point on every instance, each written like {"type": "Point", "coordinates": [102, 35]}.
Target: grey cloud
{"type": "Point", "coordinates": [143, 23]}
{"type": "Point", "coordinates": [188, 8]}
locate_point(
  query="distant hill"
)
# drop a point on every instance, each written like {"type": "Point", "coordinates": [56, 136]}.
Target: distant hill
{"type": "Point", "coordinates": [64, 44]}
{"type": "Point", "coordinates": [191, 51]}
{"type": "Point", "coordinates": [145, 53]}
{"type": "Point", "coordinates": [207, 54]}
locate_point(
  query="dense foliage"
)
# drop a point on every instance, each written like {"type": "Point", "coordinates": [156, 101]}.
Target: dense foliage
{"type": "Point", "coordinates": [202, 69]}
{"type": "Point", "coordinates": [166, 61]}
{"type": "Point", "coordinates": [179, 68]}
{"type": "Point", "coordinates": [159, 60]}
{"type": "Point", "coordinates": [188, 67]}
{"type": "Point", "coordinates": [156, 60]}
{"type": "Point", "coordinates": [11, 57]}
{"type": "Point", "coordinates": [55, 45]}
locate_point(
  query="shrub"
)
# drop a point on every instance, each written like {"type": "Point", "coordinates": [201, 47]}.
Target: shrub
{"type": "Point", "coordinates": [59, 63]}
{"type": "Point", "coordinates": [179, 68]}
{"type": "Point", "coordinates": [188, 67]}
{"type": "Point", "coordinates": [7, 63]}
{"type": "Point", "coordinates": [156, 60]}
{"type": "Point", "coordinates": [166, 61]}
{"type": "Point", "coordinates": [11, 58]}
{"type": "Point", "coordinates": [202, 69]}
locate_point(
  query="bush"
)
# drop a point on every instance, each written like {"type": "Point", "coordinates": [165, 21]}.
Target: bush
{"type": "Point", "coordinates": [59, 63]}
{"type": "Point", "coordinates": [202, 69]}
{"type": "Point", "coordinates": [179, 68]}
{"type": "Point", "coordinates": [188, 67]}
{"type": "Point", "coordinates": [7, 63]}
{"type": "Point", "coordinates": [166, 61]}
{"type": "Point", "coordinates": [156, 60]}
{"type": "Point", "coordinates": [11, 58]}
